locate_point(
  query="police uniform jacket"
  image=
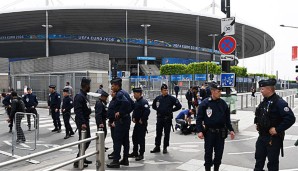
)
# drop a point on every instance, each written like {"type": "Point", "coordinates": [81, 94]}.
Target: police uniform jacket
{"type": "Point", "coordinates": [7, 101]}
{"type": "Point", "coordinates": [141, 110]}
{"type": "Point", "coordinates": [280, 115]}
{"type": "Point", "coordinates": [30, 100]}
{"type": "Point", "coordinates": [67, 104]}
{"type": "Point", "coordinates": [17, 105]}
{"type": "Point", "coordinates": [164, 106]}
{"type": "Point", "coordinates": [189, 95]}
{"type": "Point", "coordinates": [215, 114]}
{"type": "Point", "coordinates": [100, 112]}
{"type": "Point", "coordinates": [131, 102]}
{"type": "Point", "coordinates": [122, 105]}
{"type": "Point", "coordinates": [82, 108]}
{"type": "Point", "coordinates": [54, 100]}
{"type": "Point", "coordinates": [111, 110]}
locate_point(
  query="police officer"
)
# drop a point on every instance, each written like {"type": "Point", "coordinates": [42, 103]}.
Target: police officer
{"type": "Point", "coordinates": [101, 112]}
{"type": "Point", "coordinates": [123, 107]}
{"type": "Point", "coordinates": [54, 103]}
{"type": "Point", "coordinates": [215, 114]}
{"type": "Point", "coordinates": [140, 118]}
{"type": "Point", "coordinates": [163, 104]}
{"type": "Point", "coordinates": [31, 102]}
{"type": "Point", "coordinates": [273, 117]}
{"type": "Point", "coordinates": [82, 110]}
{"type": "Point", "coordinates": [111, 117]}
{"type": "Point", "coordinates": [67, 105]}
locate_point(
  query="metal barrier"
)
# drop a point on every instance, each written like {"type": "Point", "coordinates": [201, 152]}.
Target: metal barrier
{"type": "Point", "coordinates": [100, 153]}
{"type": "Point", "coordinates": [18, 132]}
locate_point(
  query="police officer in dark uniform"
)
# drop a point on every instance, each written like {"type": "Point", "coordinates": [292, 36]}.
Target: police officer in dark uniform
{"type": "Point", "coordinates": [67, 105]}
{"type": "Point", "coordinates": [140, 118]}
{"type": "Point", "coordinates": [215, 114]}
{"type": "Point", "coordinates": [54, 103]}
{"type": "Point", "coordinates": [31, 102]}
{"type": "Point", "coordinates": [273, 117]}
{"type": "Point", "coordinates": [111, 117]}
{"type": "Point", "coordinates": [163, 104]}
{"type": "Point", "coordinates": [101, 112]}
{"type": "Point", "coordinates": [123, 107]}
{"type": "Point", "coordinates": [82, 110]}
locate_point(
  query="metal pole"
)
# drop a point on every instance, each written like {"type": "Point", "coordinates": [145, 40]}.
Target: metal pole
{"type": "Point", "coordinates": [246, 101]}
{"type": "Point", "coordinates": [146, 41]}
{"type": "Point", "coordinates": [47, 34]}
{"type": "Point", "coordinates": [138, 83]}
{"type": "Point", "coordinates": [241, 102]}
{"type": "Point", "coordinates": [213, 47]}
{"type": "Point", "coordinates": [100, 148]}
{"type": "Point", "coordinates": [126, 49]}
{"type": "Point", "coordinates": [82, 149]}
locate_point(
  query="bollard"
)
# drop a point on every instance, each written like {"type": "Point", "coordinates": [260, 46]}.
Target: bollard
{"type": "Point", "coordinates": [100, 148]}
{"type": "Point", "coordinates": [82, 149]}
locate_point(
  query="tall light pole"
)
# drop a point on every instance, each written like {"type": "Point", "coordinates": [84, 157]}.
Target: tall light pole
{"type": "Point", "coordinates": [47, 26]}
{"type": "Point", "coordinates": [213, 45]}
{"type": "Point", "coordinates": [145, 40]}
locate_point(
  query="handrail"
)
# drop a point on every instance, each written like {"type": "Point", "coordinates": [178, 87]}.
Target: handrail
{"type": "Point", "coordinates": [45, 152]}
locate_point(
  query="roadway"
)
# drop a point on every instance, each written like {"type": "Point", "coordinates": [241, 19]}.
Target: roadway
{"type": "Point", "coordinates": [186, 152]}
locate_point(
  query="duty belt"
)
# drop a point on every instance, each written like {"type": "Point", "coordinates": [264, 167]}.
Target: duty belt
{"type": "Point", "coordinates": [215, 130]}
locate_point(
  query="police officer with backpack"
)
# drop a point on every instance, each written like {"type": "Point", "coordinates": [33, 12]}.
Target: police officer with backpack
{"type": "Point", "coordinates": [215, 114]}
{"type": "Point", "coordinates": [272, 117]}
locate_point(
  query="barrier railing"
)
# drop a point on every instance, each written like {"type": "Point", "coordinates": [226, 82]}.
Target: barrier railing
{"type": "Point", "coordinates": [100, 153]}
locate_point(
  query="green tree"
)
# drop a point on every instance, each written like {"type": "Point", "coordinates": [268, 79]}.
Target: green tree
{"type": "Point", "coordinates": [172, 69]}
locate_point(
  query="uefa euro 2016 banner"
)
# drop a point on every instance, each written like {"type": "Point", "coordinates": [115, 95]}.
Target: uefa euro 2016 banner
{"type": "Point", "coordinates": [109, 39]}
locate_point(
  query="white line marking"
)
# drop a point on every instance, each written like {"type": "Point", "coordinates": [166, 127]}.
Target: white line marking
{"type": "Point", "coordinates": [16, 156]}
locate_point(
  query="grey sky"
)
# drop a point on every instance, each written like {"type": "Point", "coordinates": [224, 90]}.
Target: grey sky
{"type": "Point", "coordinates": [265, 14]}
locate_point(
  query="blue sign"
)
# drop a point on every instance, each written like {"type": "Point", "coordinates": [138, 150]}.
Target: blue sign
{"type": "Point", "coordinates": [176, 77]}
{"type": "Point", "coordinates": [227, 79]}
{"type": "Point", "coordinates": [156, 77]}
{"type": "Point", "coordinates": [187, 77]}
{"type": "Point", "coordinates": [146, 58]}
{"type": "Point", "coordinates": [200, 77]}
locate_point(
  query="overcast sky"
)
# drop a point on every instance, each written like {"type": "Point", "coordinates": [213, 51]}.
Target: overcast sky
{"type": "Point", "coordinates": [264, 14]}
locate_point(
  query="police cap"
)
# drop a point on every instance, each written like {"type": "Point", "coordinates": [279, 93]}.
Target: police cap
{"type": "Point", "coordinates": [269, 82]}
{"type": "Point", "coordinates": [164, 86]}
{"type": "Point", "coordinates": [105, 94]}
{"type": "Point", "coordinates": [52, 86]}
{"type": "Point", "coordinates": [137, 90]}
{"type": "Point", "coordinates": [116, 81]}
{"type": "Point", "coordinates": [66, 90]}
{"type": "Point", "coordinates": [214, 85]}
{"type": "Point", "coordinates": [85, 81]}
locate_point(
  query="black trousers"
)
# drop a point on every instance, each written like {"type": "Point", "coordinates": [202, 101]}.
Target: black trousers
{"type": "Point", "coordinates": [56, 118]}
{"type": "Point", "coordinates": [20, 133]}
{"type": "Point", "coordinates": [189, 103]}
{"type": "Point", "coordinates": [68, 128]}
{"type": "Point", "coordinates": [121, 137]}
{"type": "Point", "coordinates": [8, 110]}
{"type": "Point", "coordinates": [30, 110]}
{"type": "Point", "coordinates": [138, 137]}
{"type": "Point", "coordinates": [264, 149]}
{"type": "Point", "coordinates": [163, 124]}
{"type": "Point", "coordinates": [88, 135]}
{"type": "Point", "coordinates": [213, 142]}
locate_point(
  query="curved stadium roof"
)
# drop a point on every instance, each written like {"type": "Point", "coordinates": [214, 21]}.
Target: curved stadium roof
{"type": "Point", "coordinates": [182, 28]}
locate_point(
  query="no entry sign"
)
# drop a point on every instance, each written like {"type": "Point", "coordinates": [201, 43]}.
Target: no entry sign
{"type": "Point", "coordinates": [227, 45]}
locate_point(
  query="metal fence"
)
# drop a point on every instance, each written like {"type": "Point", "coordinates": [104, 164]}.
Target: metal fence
{"type": "Point", "coordinates": [99, 152]}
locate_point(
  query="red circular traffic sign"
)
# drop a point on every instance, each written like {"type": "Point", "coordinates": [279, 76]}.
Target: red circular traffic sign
{"type": "Point", "coordinates": [227, 45]}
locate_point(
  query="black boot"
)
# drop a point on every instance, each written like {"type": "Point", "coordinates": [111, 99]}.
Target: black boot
{"type": "Point", "coordinates": [165, 151]}
{"type": "Point", "coordinates": [111, 156]}
{"type": "Point", "coordinates": [216, 167]}
{"type": "Point", "coordinates": [207, 168]}
{"type": "Point", "coordinates": [124, 162]}
{"type": "Point", "coordinates": [140, 157]}
{"type": "Point", "coordinates": [114, 164]}
{"type": "Point", "coordinates": [76, 165]}
{"type": "Point", "coordinates": [155, 150]}
{"type": "Point", "coordinates": [132, 155]}
{"type": "Point", "coordinates": [87, 161]}
{"type": "Point", "coordinates": [54, 130]}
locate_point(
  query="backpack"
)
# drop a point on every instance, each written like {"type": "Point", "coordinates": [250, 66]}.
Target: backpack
{"type": "Point", "coordinates": [185, 129]}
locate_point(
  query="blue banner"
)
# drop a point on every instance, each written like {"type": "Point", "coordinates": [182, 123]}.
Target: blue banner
{"type": "Point", "coordinates": [144, 58]}
{"type": "Point", "coordinates": [200, 77]}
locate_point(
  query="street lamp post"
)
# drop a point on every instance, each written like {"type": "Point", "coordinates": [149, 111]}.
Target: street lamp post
{"type": "Point", "coordinates": [213, 45]}
{"type": "Point", "coordinates": [145, 40]}
{"type": "Point", "coordinates": [47, 26]}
